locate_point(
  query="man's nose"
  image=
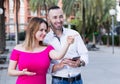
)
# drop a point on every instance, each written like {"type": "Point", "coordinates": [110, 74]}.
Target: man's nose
{"type": "Point", "coordinates": [58, 20]}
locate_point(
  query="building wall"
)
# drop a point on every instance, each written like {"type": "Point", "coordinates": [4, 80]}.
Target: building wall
{"type": "Point", "coordinates": [25, 14]}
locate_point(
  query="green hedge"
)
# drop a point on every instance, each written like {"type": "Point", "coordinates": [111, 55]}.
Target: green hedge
{"type": "Point", "coordinates": [116, 40]}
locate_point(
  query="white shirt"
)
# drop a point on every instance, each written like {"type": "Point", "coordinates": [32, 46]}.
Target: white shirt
{"type": "Point", "coordinates": [78, 48]}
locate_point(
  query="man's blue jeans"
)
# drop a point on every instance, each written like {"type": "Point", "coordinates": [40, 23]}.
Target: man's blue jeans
{"type": "Point", "coordinates": [57, 81]}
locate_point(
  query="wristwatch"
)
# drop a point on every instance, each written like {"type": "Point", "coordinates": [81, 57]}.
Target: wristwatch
{"type": "Point", "coordinates": [82, 63]}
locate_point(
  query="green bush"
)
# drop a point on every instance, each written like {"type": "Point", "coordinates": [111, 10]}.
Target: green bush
{"type": "Point", "coordinates": [116, 40]}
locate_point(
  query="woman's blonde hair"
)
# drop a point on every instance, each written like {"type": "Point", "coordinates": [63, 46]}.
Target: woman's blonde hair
{"type": "Point", "coordinates": [31, 30]}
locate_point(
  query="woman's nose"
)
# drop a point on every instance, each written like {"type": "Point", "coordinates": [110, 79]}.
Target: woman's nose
{"type": "Point", "coordinates": [44, 32]}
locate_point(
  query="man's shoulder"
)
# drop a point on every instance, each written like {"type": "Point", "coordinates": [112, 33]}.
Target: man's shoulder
{"type": "Point", "coordinates": [48, 37]}
{"type": "Point", "coordinates": [71, 31]}
{"type": "Point", "coordinates": [49, 34]}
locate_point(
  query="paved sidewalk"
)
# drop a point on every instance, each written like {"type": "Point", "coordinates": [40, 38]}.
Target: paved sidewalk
{"type": "Point", "coordinates": [103, 67]}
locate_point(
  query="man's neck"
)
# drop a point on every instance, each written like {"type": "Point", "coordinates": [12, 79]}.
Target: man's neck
{"type": "Point", "coordinates": [58, 33]}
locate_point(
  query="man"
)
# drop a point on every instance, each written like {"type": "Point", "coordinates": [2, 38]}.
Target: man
{"type": "Point", "coordinates": [67, 70]}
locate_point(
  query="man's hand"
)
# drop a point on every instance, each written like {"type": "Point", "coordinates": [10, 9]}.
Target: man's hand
{"type": "Point", "coordinates": [68, 62]}
{"type": "Point", "coordinates": [59, 65]}
{"type": "Point", "coordinates": [77, 63]}
{"type": "Point", "coordinates": [62, 63]}
{"type": "Point", "coordinates": [72, 63]}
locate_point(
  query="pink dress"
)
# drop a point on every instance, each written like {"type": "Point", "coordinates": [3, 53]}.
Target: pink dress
{"type": "Point", "coordinates": [37, 62]}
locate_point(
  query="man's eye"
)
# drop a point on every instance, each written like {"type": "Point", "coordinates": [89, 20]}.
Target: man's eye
{"type": "Point", "coordinates": [55, 17]}
{"type": "Point", "coordinates": [61, 16]}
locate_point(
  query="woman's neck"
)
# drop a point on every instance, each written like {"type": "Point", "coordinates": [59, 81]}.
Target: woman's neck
{"type": "Point", "coordinates": [36, 45]}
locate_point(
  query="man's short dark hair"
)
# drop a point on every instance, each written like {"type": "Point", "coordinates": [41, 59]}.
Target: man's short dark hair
{"type": "Point", "coordinates": [53, 7]}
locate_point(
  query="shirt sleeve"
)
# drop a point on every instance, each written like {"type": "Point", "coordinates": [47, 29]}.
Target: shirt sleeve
{"type": "Point", "coordinates": [14, 55]}
{"type": "Point", "coordinates": [82, 50]}
{"type": "Point", "coordinates": [50, 68]}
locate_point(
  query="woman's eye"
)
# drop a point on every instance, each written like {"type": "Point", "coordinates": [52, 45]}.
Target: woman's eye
{"type": "Point", "coordinates": [41, 29]}
{"type": "Point", "coordinates": [45, 31]}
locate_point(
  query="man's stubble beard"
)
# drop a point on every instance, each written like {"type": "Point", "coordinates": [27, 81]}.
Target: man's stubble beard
{"type": "Point", "coordinates": [54, 28]}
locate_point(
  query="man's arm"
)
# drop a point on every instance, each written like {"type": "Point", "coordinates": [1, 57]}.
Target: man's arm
{"type": "Point", "coordinates": [60, 65]}
{"type": "Point", "coordinates": [69, 62]}
{"type": "Point", "coordinates": [57, 67]}
{"type": "Point", "coordinates": [82, 51]}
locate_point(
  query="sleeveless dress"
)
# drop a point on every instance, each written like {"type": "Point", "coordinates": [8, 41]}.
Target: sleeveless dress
{"type": "Point", "coordinates": [37, 62]}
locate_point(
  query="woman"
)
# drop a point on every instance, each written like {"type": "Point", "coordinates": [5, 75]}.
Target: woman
{"type": "Point", "coordinates": [32, 57]}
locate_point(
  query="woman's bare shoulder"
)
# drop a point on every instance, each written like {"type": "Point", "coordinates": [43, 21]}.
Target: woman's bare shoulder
{"type": "Point", "coordinates": [19, 47]}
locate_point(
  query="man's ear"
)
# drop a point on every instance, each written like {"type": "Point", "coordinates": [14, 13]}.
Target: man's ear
{"type": "Point", "coordinates": [48, 20]}
{"type": "Point", "coordinates": [48, 17]}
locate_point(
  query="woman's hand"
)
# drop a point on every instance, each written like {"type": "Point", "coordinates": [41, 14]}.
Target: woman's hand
{"type": "Point", "coordinates": [26, 72]}
{"type": "Point", "coordinates": [70, 39]}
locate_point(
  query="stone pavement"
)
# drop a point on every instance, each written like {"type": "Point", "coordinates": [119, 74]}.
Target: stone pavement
{"type": "Point", "coordinates": [103, 67]}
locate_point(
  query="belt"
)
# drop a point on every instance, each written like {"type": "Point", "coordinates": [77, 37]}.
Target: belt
{"type": "Point", "coordinates": [71, 79]}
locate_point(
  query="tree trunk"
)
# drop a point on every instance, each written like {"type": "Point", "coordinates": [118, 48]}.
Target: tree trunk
{"type": "Point", "coordinates": [2, 29]}
{"type": "Point", "coordinates": [83, 18]}
{"type": "Point", "coordinates": [45, 6]}
{"type": "Point", "coordinates": [94, 40]}
{"type": "Point", "coordinates": [17, 26]}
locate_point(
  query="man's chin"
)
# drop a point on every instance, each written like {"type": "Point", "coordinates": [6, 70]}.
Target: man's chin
{"type": "Point", "coordinates": [59, 28]}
